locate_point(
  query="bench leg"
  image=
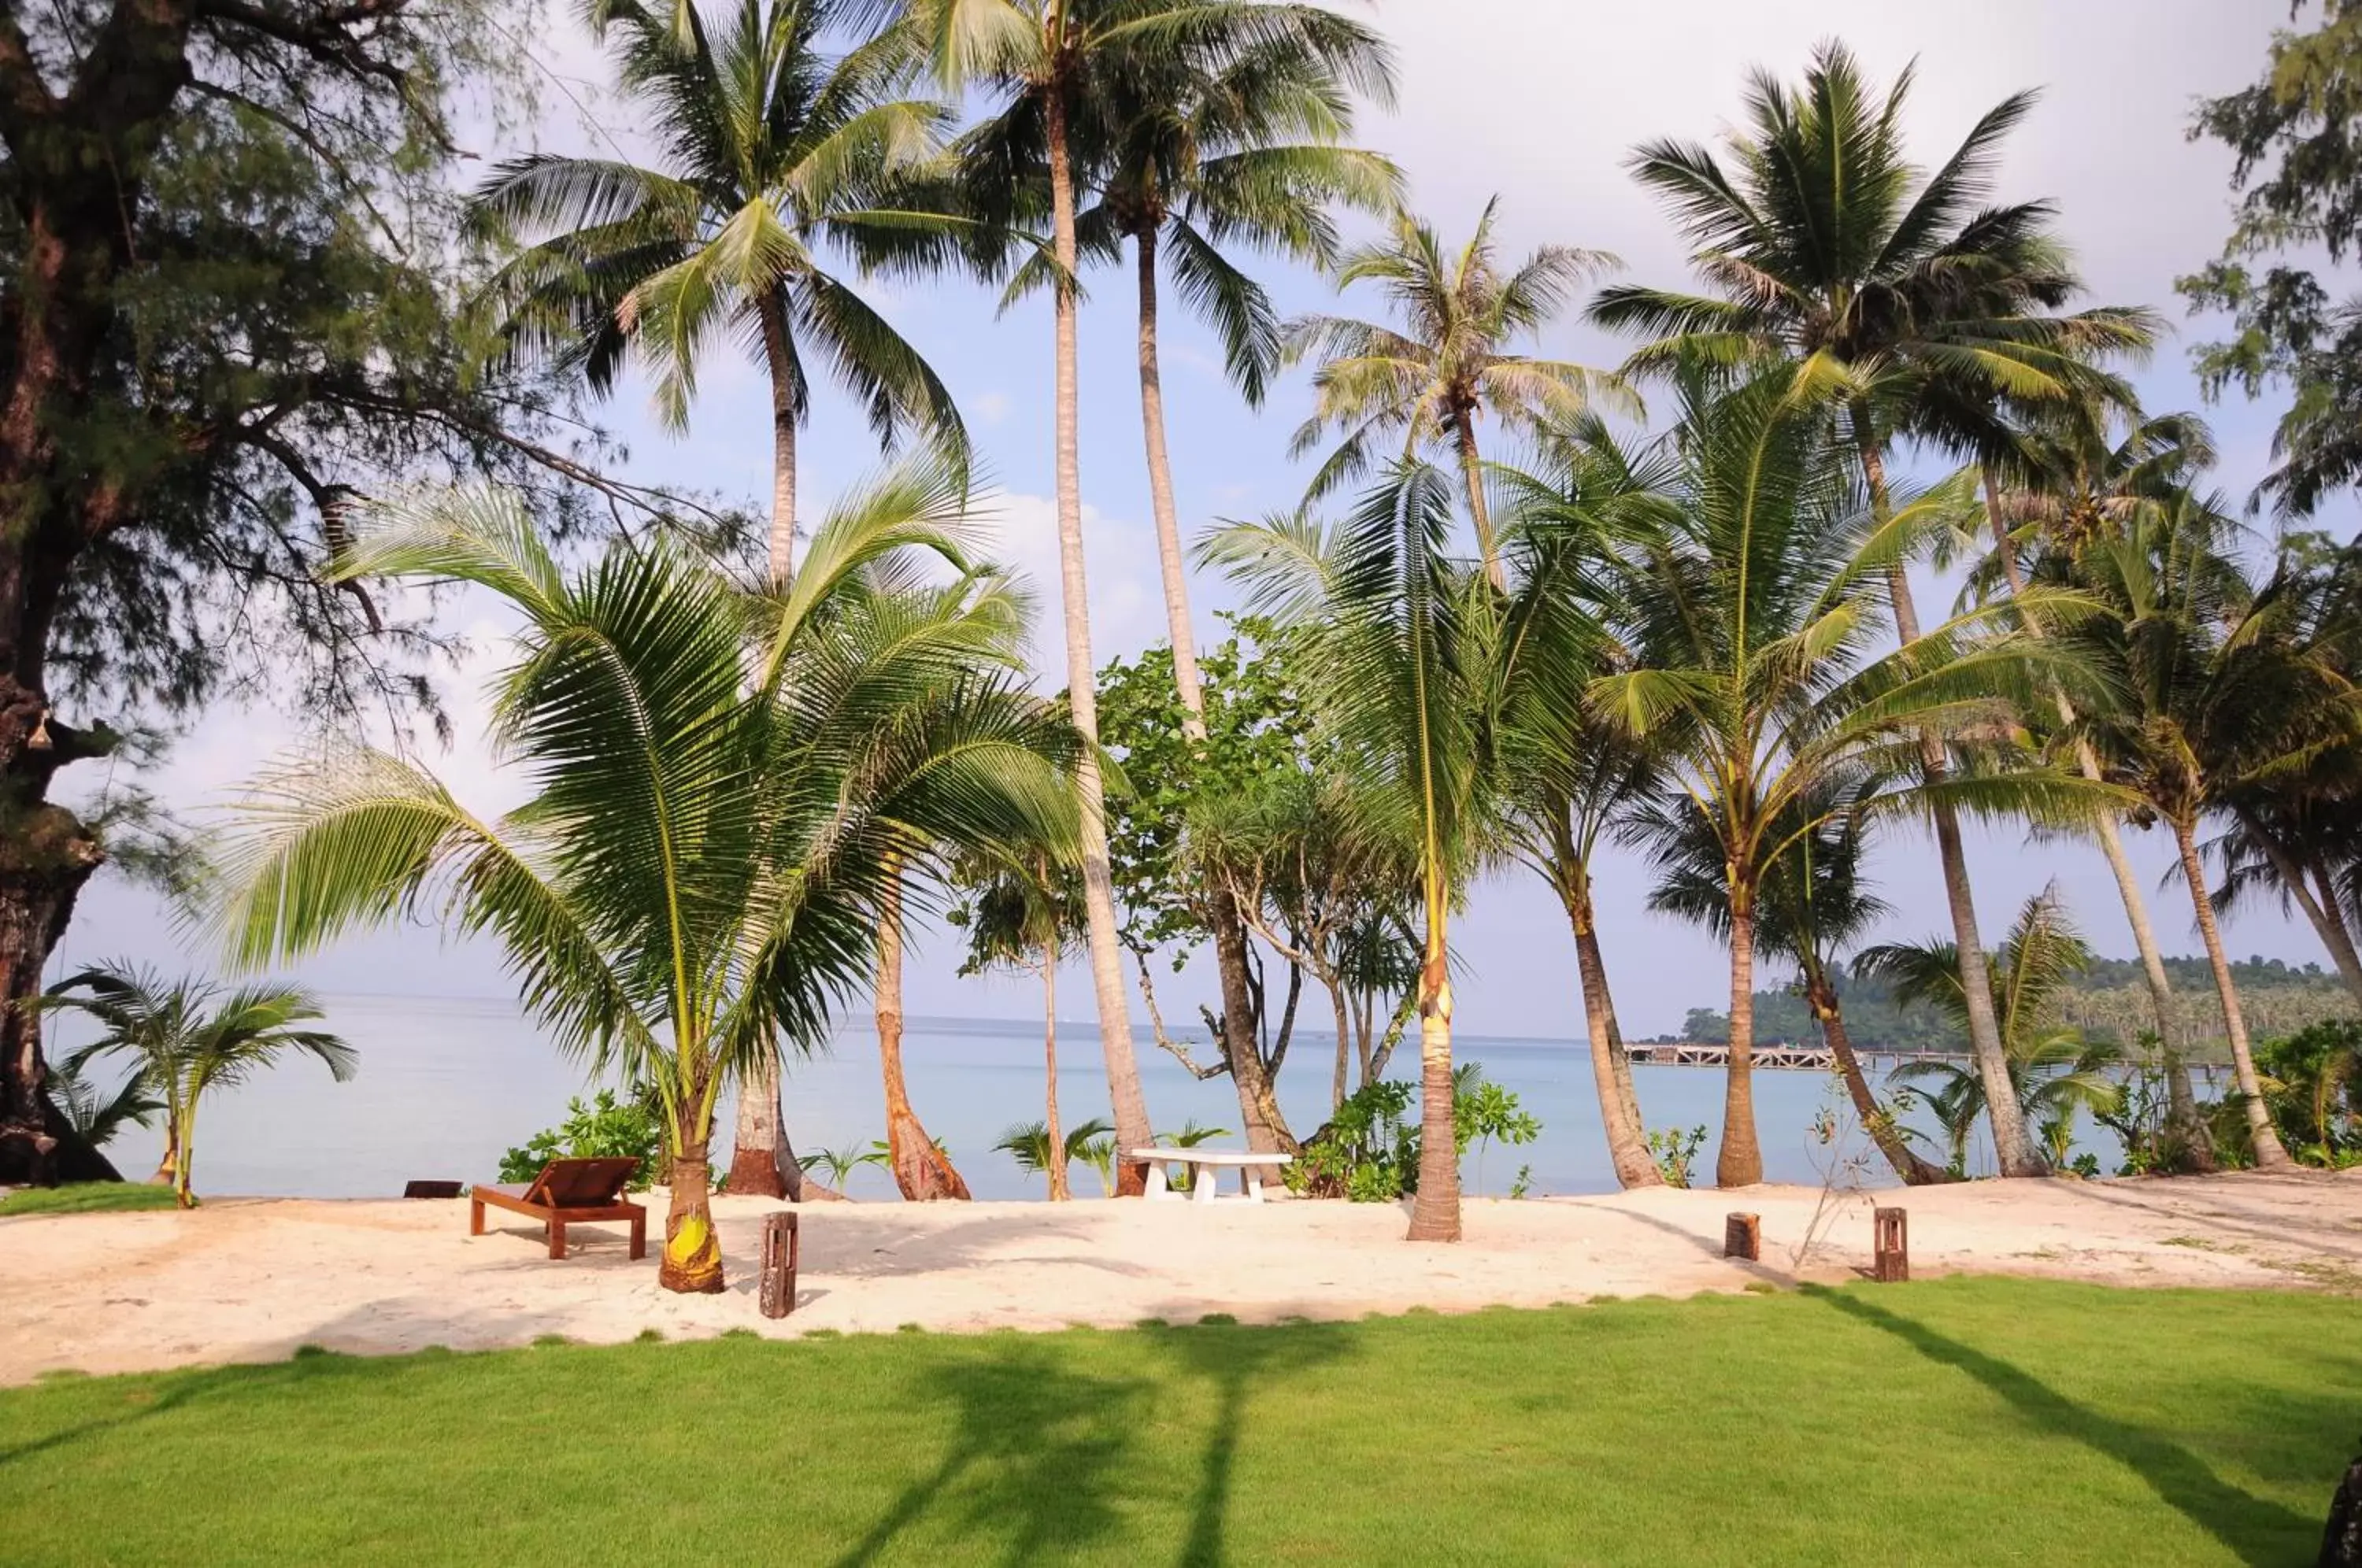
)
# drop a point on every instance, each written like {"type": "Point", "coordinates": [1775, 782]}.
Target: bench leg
{"type": "Point", "coordinates": [476, 1217]}
{"type": "Point", "coordinates": [1202, 1182]}
{"type": "Point", "coordinates": [639, 1235]}
{"type": "Point", "coordinates": [1159, 1184]}
{"type": "Point", "coordinates": [557, 1238]}
{"type": "Point", "coordinates": [1254, 1186]}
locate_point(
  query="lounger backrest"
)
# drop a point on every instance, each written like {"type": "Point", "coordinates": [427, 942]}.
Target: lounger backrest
{"type": "Point", "coordinates": [581, 1184]}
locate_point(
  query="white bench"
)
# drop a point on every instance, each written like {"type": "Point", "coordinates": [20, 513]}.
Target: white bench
{"type": "Point", "coordinates": [1209, 1162]}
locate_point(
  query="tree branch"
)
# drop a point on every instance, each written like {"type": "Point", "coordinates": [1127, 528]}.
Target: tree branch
{"type": "Point", "coordinates": [1178, 1051]}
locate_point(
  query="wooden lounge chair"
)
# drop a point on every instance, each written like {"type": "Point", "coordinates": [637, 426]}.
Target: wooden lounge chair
{"type": "Point", "coordinates": [568, 1192]}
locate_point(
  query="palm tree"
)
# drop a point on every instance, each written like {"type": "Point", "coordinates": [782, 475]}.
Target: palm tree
{"type": "Point", "coordinates": [2062, 482]}
{"type": "Point", "coordinates": [1755, 679]}
{"type": "Point", "coordinates": [1813, 903]}
{"type": "Point", "coordinates": [701, 870]}
{"type": "Point", "coordinates": [1029, 1142]}
{"type": "Point", "coordinates": [90, 1110]}
{"type": "Point", "coordinates": [769, 152]}
{"type": "Point", "coordinates": [2058, 1075]}
{"type": "Point", "coordinates": [1026, 911]}
{"type": "Point", "coordinates": [843, 1163]}
{"type": "Point", "coordinates": [2220, 688]}
{"type": "Point", "coordinates": [1416, 664]}
{"type": "Point", "coordinates": [1448, 365]}
{"type": "Point", "coordinates": [190, 1038]}
{"type": "Point", "coordinates": [1822, 241]}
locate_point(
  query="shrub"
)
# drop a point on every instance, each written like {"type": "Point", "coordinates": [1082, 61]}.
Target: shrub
{"type": "Point", "coordinates": [1676, 1152]}
{"type": "Point", "coordinates": [1369, 1150]}
{"type": "Point", "coordinates": [604, 1129]}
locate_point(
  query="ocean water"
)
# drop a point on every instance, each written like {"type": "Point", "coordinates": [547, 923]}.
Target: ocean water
{"type": "Point", "coordinates": [446, 1085]}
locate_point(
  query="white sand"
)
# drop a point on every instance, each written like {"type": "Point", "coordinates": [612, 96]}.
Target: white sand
{"type": "Point", "coordinates": [252, 1280]}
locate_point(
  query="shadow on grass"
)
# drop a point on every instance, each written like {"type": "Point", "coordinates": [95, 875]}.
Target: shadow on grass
{"type": "Point", "coordinates": [2258, 1531]}
{"type": "Point", "coordinates": [1239, 1361]}
{"type": "Point", "coordinates": [181, 1388]}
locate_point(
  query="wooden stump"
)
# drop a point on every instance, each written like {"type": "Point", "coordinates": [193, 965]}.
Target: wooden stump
{"type": "Point", "coordinates": [1891, 1257]}
{"type": "Point", "coordinates": [2341, 1543]}
{"type": "Point", "coordinates": [776, 1293]}
{"type": "Point", "coordinates": [1743, 1237]}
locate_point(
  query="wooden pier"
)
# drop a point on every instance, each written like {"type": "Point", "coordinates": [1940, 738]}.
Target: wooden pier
{"type": "Point", "coordinates": [1779, 1056]}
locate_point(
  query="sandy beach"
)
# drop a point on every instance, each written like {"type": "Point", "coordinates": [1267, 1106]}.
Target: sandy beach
{"type": "Point", "coordinates": [252, 1280]}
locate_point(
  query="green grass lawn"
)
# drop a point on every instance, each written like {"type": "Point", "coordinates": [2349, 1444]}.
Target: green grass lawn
{"type": "Point", "coordinates": [1979, 1421]}
{"type": "Point", "coordinates": [87, 1197]}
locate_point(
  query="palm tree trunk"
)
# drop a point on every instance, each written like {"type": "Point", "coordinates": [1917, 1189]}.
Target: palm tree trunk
{"type": "Point", "coordinates": [772, 312]}
{"type": "Point", "coordinates": [759, 1157]}
{"type": "Point", "coordinates": [2328, 924]}
{"type": "Point", "coordinates": [1056, 1148]}
{"type": "Point", "coordinates": [922, 1171]}
{"type": "Point", "coordinates": [1160, 495]}
{"type": "Point", "coordinates": [1473, 470]}
{"type": "Point", "coordinates": [2013, 1144]}
{"type": "Point", "coordinates": [1129, 1103]}
{"type": "Point", "coordinates": [692, 1262]}
{"type": "Point", "coordinates": [2269, 1153]}
{"type": "Point", "coordinates": [1874, 1117]}
{"type": "Point", "coordinates": [1611, 1069]}
{"type": "Point", "coordinates": [1435, 1208]}
{"type": "Point", "coordinates": [1739, 1162]}
{"type": "Point", "coordinates": [184, 1142]}
{"type": "Point", "coordinates": [1266, 1130]}
{"type": "Point", "coordinates": [1344, 1045]}
{"type": "Point", "coordinates": [2181, 1104]}
{"type": "Point", "coordinates": [2336, 935]}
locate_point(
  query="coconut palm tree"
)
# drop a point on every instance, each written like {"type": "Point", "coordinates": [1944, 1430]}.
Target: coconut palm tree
{"type": "Point", "coordinates": [190, 1038]}
{"type": "Point", "coordinates": [723, 789]}
{"type": "Point", "coordinates": [770, 152]}
{"type": "Point", "coordinates": [842, 1164]}
{"type": "Point", "coordinates": [1821, 239]}
{"type": "Point", "coordinates": [2221, 687]}
{"type": "Point", "coordinates": [1448, 365]}
{"type": "Point", "coordinates": [1813, 903]}
{"type": "Point", "coordinates": [90, 1111]}
{"type": "Point", "coordinates": [1025, 910]}
{"type": "Point", "coordinates": [1419, 669]}
{"type": "Point", "coordinates": [1756, 679]}
{"type": "Point", "coordinates": [2058, 1073]}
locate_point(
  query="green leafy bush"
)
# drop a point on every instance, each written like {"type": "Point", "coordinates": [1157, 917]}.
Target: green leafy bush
{"type": "Point", "coordinates": [607, 1128]}
{"type": "Point", "coordinates": [1369, 1150]}
{"type": "Point", "coordinates": [1676, 1152]}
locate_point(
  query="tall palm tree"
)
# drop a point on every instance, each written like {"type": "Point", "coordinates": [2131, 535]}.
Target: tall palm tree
{"type": "Point", "coordinates": [1755, 678]}
{"type": "Point", "coordinates": [1822, 239]}
{"type": "Point", "coordinates": [191, 1038]}
{"type": "Point", "coordinates": [715, 827]}
{"type": "Point", "coordinates": [770, 153]}
{"type": "Point", "coordinates": [1448, 364]}
{"type": "Point", "coordinates": [1418, 668]}
{"type": "Point", "coordinates": [1025, 910]}
{"type": "Point", "coordinates": [2058, 1073]}
{"type": "Point", "coordinates": [2220, 688]}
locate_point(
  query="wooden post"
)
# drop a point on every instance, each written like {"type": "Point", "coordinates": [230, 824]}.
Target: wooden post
{"type": "Point", "coordinates": [1891, 1257]}
{"type": "Point", "coordinates": [776, 1295]}
{"type": "Point", "coordinates": [1743, 1237]}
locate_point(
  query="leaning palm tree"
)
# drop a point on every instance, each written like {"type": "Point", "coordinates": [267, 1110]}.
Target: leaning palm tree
{"type": "Point", "coordinates": [1449, 364]}
{"type": "Point", "coordinates": [2220, 688]}
{"type": "Point", "coordinates": [2056, 1073]}
{"type": "Point", "coordinates": [698, 873]}
{"type": "Point", "coordinates": [188, 1039]}
{"type": "Point", "coordinates": [1417, 666]}
{"type": "Point", "coordinates": [1757, 676]}
{"type": "Point", "coordinates": [1819, 238]}
{"type": "Point", "coordinates": [770, 153]}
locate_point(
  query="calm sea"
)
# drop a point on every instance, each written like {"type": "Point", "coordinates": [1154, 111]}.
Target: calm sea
{"type": "Point", "coordinates": [444, 1085]}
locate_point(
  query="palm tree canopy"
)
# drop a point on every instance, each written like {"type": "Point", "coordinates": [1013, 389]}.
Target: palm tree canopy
{"type": "Point", "coordinates": [701, 866]}
{"type": "Point", "coordinates": [1447, 360]}
{"type": "Point", "coordinates": [191, 1035]}
{"type": "Point", "coordinates": [769, 154]}
{"type": "Point", "coordinates": [1816, 235]}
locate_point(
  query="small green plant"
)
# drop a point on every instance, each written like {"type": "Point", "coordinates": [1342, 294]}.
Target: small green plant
{"type": "Point", "coordinates": [1369, 1150]}
{"type": "Point", "coordinates": [607, 1128]}
{"type": "Point", "coordinates": [1482, 1111]}
{"type": "Point", "coordinates": [1675, 1153]}
{"type": "Point", "coordinates": [1524, 1185]}
{"type": "Point", "coordinates": [841, 1163]}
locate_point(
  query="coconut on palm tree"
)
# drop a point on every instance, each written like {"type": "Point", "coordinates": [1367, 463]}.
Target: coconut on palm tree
{"type": "Point", "coordinates": [188, 1039]}
{"type": "Point", "coordinates": [2058, 1075]}
{"type": "Point", "coordinates": [1819, 238]}
{"type": "Point", "coordinates": [723, 789]}
{"type": "Point", "coordinates": [1449, 363]}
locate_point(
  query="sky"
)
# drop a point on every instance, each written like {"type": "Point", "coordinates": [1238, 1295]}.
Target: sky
{"type": "Point", "coordinates": [1536, 102]}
